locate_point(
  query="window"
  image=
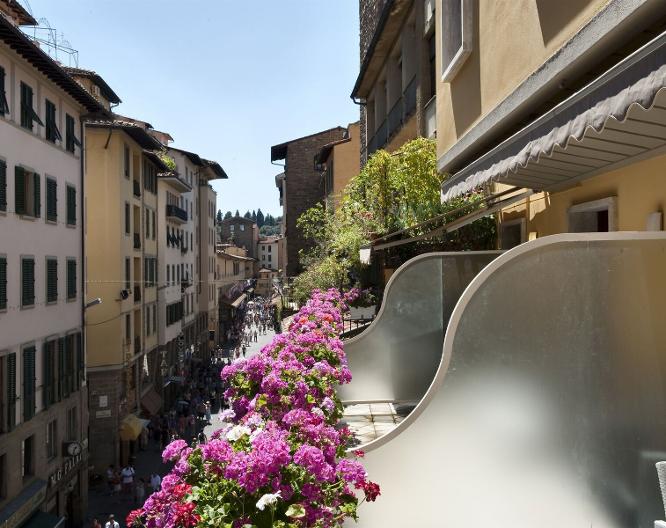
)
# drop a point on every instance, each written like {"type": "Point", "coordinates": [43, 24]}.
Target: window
{"type": "Point", "coordinates": [232, 227]}
{"type": "Point", "coordinates": [126, 163]}
{"type": "Point", "coordinates": [127, 218]}
{"type": "Point", "coordinates": [269, 248]}
{"type": "Point", "coordinates": [71, 279]}
{"type": "Point", "coordinates": [146, 216]}
{"type": "Point", "coordinates": [50, 390]}
{"type": "Point", "coordinates": [28, 383]}
{"type": "Point", "coordinates": [8, 395]}
{"type": "Point", "coordinates": [71, 141]}
{"type": "Point", "coordinates": [457, 20]}
{"type": "Point", "coordinates": [27, 193]}
{"type": "Point", "coordinates": [598, 216]}
{"type": "Point", "coordinates": [28, 457]}
{"type": "Point", "coordinates": [3, 186]}
{"type": "Point", "coordinates": [72, 424]}
{"type": "Point", "coordinates": [52, 132]}
{"type": "Point", "coordinates": [512, 233]}
{"type": "Point", "coordinates": [432, 59]}
{"type": "Point", "coordinates": [51, 280]}
{"type": "Point", "coordinates": [28, 114]}
{"type": "Point", "coordinates": [3, 283]}
{"type": "Point", "coordinates": [242, 227]}
{"type": "Point", "coordinates": [51, 200]}
{"type": "Point", "coordinates": [71, 205]}
{"type": "Point", "coordinates": [128, 328]}
{"type": "Point", "coordinates": [168, 274]}
{"type": "Point", "coordinates": [51, 439]}
{"type": "Point", "coordinates": [152, 214]}
{"type": "Point", "coordinates": [27, 281]}
{"type": "Point", "coordinates": [128, 279]}
{"type": "Point", "coordinates": [4, 106]}
{"type": "Point", "coordinates": [154, 318]}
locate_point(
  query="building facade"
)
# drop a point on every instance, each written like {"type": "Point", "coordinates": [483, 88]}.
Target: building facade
{"type": "Point", "coordinates": [338, 163]}
{"type": "Point", "coordinates": [301, 187]}
{"type": "Point", "coordinates": [268, 252]}
{"type": "Point", "coordinates": [549, 115]}
{"type": "Point", "coordinates": [122, 252]}
{"type": "Point", "coordinates": [44, 444]}
{"type": "Point", "coordinates": [241, 232]}
{"type": "Point", "coordinates": [396, 85]}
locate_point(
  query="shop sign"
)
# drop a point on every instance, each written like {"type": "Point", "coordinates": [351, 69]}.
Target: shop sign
{"type": "Point", "coordinates": [70, 463]}
{"type": "Point", "coordinates": [103, 414]}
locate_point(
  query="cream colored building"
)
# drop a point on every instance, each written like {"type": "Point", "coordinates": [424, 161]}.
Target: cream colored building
{"type": "Point", "coordinates": [44, 392]}
{"type": "Point", "coordinates": [268, 252]}
{"type": "Point", "coordinates": [233, 269]}
{"type": "Point", "coordinates": [561, 103]}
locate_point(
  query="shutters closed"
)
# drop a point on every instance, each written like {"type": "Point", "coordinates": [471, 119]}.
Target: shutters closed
{"type": "Point", "coordinates": [51, 200]}
{"type": "Point", "coordinates": [80, 361]}
{"type": "Point", "coordinates": [27, 282]}
{"type": "Point", "coordinates": [28, 383]}
{"type": "Point", "coordinates": [37, 196]}
{"type": "Point", "coordinates": [51, 280]}
{"type": "Point", "coordinates": [71, 205]}
{"type": "Point", "coordinates": [3, 283]}
{"type": "Point", "coordinates": [71, 279]}
{"type": "Point", "coordinates": [62, 388]}
{"type": "Point", "coordinates": [19, 190]}
{"type": "Point", "coordinates": [3, 186]}
{"type": "Point", "coordinates": [11, 392]}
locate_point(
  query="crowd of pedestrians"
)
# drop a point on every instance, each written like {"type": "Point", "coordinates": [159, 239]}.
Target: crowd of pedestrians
{"type": "Point", "coordinates": [258, 319]}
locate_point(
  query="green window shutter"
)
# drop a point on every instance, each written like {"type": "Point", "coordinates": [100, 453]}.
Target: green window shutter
{"type": "Point", "coordinates": [27, 282]}
{"type": "Point", "coordinates": [71, 279]}
{"type": "Point", "coordinates": [3, 186]}
{"type": "Point", "coordinates": [46, 362]}
{"type": "Point", "coordinates": [71, 205]}
{"type": "Point", "coordinates": [37, 195]}
{"type": "Point", "coordinates": [19, 190]}
{"type": "Point", "coordinates": [11, 392]}
{"type": "Point", "coordinates": [51, 200]}
{"type": "Point", "coordinates": [28, 383]}
{"type": "Point", "coordinates": [51, 280]}
{"type": "Point", "coordinates": [80, 362]}
{"type": "Point", "coordinates": [70, 367]}
{"type": "Point", "coordinates": [3, 283]}
{"type": "Point", "coordinates": [127, 274]}
{"type": "Point", "coordinates": [60, 393]}
{"type": "Point", "coordinates": [127, 219]}
{"type": "Point", "coordinates": [4, 107]}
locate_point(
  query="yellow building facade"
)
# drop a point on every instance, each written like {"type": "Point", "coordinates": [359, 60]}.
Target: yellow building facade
{"type": "Point", "coordinates": [559, 101]}
{"type": "Point", "coordinates": [121, 262]}
{"type": "Point", "coordinates": [339, 162]}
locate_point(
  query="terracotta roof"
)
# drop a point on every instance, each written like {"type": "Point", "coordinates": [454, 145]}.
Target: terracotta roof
{"type": "Point", "coordinates": [194, 158]}
{"type": "Point", "coordinates": [216, 168]}
{"type": "Point", "coordinates": [326, 150]}
{"type": "Point", "coordinates": [24, 18]}
{"type": "Point", "coordinates": [26, 48]}
{"type": "Point", "coordinates": [136, 132]}
{"type": "Point", "coordinates": [97, 79]}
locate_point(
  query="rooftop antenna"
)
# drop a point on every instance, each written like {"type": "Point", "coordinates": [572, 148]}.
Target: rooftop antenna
{"type": "Point", "coordinates": [53, 43]}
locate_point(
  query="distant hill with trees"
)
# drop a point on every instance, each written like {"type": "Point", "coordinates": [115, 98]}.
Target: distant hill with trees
{"type": "Point", "coordinates": [268, 224]}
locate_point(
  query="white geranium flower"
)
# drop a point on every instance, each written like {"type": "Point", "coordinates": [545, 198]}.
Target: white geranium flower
{"type": "Point", "coordinates": [237, 431]}
{"type": "Point", "coordinates": [269, 499]}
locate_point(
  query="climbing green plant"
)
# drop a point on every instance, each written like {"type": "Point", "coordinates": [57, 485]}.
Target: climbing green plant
{"type": "Point", "coordinates": [393, 191]}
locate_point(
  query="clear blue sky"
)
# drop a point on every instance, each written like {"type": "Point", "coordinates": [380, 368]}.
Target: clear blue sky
{"type": "Point", "coordinates": [226, 78]}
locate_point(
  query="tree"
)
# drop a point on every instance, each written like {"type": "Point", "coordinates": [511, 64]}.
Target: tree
{"type": "Point", "coordinates": [219, 216]}
{"type": "Point", "coordinates": [260, 218]}
{"type": "Point", "coordinates": [247, 215]}
{"type": "Point", "coordinates": [254, 216]}
{"type": "Point", "coordinates": [237, 213]}
{"type": "Point", "coordinates": [228, 215]}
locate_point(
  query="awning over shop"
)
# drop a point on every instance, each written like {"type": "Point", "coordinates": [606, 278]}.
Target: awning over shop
{"type": "Point", "coordinates": [131, 427]}
{"type": "Point", "coordinates": [617, 119]}
{"type": "Point", "coordinates": [151, 402]}
{"type": "Point", "coordinates": [239, 301]}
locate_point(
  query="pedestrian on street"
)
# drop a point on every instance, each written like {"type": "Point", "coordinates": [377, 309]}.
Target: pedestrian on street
{"type": "Point", "coordinates": [110, 474]}
{"type": "Point", "coordinates": [95, 523]}
{"type": "Point", "coordinates": [127, 475]}
{"type": "Point", "coordinates": [111, 523]}
{"type": "Point", "coordinates": [208, 412]}
{"type": "Point", "coordinates": [140, 491]}
{"type": "Point", "coordinates": [155, 482]}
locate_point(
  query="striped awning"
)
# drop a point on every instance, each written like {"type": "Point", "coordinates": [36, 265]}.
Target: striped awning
{"type": "Point", "coordinates": [616, 120]}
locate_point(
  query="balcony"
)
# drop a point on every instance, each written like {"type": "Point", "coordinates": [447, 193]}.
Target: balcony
{"type": "Point", "coordinates": [379, 139]}
{"type": "Point", "coordinates": [395, 117]}
{"type": "Point", "coordinates": [137, 293]}
{"type": "Point", "coordinates": [173, 212]}
{"type": "Point", "coordinates": [137, 241]}
{"type": "Point", "coordinates": [409, 98]}
{"type": "Point", "coordinates": [137, 189]}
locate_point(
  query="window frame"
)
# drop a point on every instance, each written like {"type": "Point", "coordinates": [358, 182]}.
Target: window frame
{"type": "Point", "coordinates": [51, 439]}
{"type": "Point", "coordinates": [28, 114]}
{"type": "Point", "coordinates": [51, 133]}
{"type": "Point", "coordinates": [4, 104]}
{"type": "Point", "coordinates": [28, 472]}
{"type": "Point", "coordinates": [51, 218]}
{"type": "Point", "coordinates": [25, 258]}
{"type": "Point", "coordinates": [70, 216]}
{"type": "Point", "coordinates": [608, 204]}
{"type": "Point", "coordinates": [461, 54]}
{"type": "Point", "coordinates": [71, 289]}
{"type": "Point", "coordinates": [71, 141]}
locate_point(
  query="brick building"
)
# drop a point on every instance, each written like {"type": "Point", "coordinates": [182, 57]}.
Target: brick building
{"type": "Point", "coordinates": [302, 187]}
